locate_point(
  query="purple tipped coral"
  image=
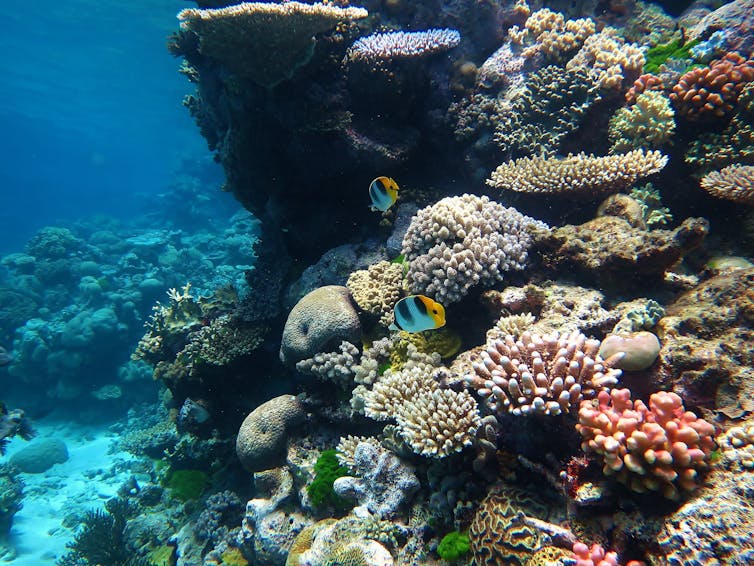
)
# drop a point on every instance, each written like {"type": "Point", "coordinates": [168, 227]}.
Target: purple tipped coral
{"type": "Point", "coordinates": [403, 44]}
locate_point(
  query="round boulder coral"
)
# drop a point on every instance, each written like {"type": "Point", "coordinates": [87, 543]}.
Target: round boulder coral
{"type": "Point", "coordinates": [320, 320]}
{"type": "Point", "coordinates": [261, 439]}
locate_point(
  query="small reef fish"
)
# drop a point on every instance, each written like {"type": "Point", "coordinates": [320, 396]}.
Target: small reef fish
{"type": "Point", "coordinates": [384, 192]}
{"type": "Point", "coordinates": [418, 313]}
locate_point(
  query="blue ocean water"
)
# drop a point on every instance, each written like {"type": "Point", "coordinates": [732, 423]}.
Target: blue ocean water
{"type": "Point", "coordinates": [89, 111]}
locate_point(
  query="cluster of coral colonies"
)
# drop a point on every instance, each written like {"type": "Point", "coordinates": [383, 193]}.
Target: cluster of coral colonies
{"type": "Point", "coordinates": [661, 448]}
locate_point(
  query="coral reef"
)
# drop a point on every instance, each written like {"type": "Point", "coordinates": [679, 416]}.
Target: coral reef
{"type": "Point", "coordinates": [661, 448]}
{"type": "Point", "coordinates": [734, 182]}
{"type": "Point", "coordinates": [262, 436]}
{"type": "Point", "coordinates": [545, 375]}
{"type": "Point", "coordinates": [580, 175]}
{"type": "Point", "coordinates": [377, 289]}
{"type": "Point", "coordinates": [462, 242]}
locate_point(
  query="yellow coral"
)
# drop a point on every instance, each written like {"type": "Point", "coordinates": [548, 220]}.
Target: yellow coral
{"type": "Point", "coordinates": [265, 42]}
{"type": "Point", "coordinates": [549, 33]}
{"type": "Point", "coordinates": [377, 289]}
{"type": "Point", "coordinates": [608, 59]}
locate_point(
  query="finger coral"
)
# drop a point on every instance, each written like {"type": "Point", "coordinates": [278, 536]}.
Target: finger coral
{"type": "Point", "coordinates": [537, 374]}
{"type": "Point", "coordinates": [550, 34]}
{"type": "Point", "coordinates": [579, 174]}
{"type": "Point", "coordinates": [608, 59]}
{"type": "Point", "coordinates": [263, 41]}
{"type": "Point", "coordinates": [712, 91]}
{"type": "Point", "coordinates": [735, 182]}
{"type": "Point", "coordinates": [661, 448]}
{"type": "Point", "coordinates": [462, 242]}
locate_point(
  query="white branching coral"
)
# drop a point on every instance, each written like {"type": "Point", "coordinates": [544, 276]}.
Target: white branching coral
{"type": "Point", "coordinates": [403, 44]}
{"type": "Point", "coordinates": [434, 421]}
{"type": "Point", "coordinates": [332, 366]}
{"type": "Point", "coordinates": [536, 374]}
{"type": "Point", "coordinates": [464, 241]}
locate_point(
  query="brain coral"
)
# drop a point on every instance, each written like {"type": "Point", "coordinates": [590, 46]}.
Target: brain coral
{"type": "Point", "coordinates": [318, 322]}
{"type": "Point", "coordinates": [542, 375]}
{"type": "Point", "coordinates": [461, 242]}
{"type": "Point", "coordinates": [657, 448]}
{"type": "Point", "coordinates": [583, 175]}
{"type": "Point", "coordinates": [261, 438]}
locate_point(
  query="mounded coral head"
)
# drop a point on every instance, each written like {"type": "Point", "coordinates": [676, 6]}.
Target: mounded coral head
{"type": "Point", "coordinates": [261, 439]}
{"type": "Point", "coordinates": [318, 322]}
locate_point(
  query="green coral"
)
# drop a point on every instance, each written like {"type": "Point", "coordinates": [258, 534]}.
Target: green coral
{"type": "Point", "coordinates": [454, 546]}
{"type": "Point", "coordinates": [320, 491]}
{"type": "Point", "coordinates": [162, 556]}
{"type": "Point", "coordinates": [676, 49]}
{"type": "Point", "coordinates": [648, 124]}
{"type": "Point", "coordinates": [186, 484]}
{"type": "Point", "coordinates": [655, 214]}
{"type": "Point", "coordinates": [444, 341]}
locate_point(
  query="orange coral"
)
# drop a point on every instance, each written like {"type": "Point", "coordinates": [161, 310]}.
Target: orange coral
{"type": "Point", "coordinates": [644, 83]}
{"type": "Point", "coordinates": [712, 92]}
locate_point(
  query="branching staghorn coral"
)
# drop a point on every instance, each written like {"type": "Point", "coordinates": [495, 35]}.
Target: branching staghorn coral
{"type": "Point", "coordinates": [461, 242]}
{"type": "Point", "coordinates": [647, 124]}
{"type": "Point", "coordinates": [434, 421]}
{"type": "Point", "coordinates": [545, 375]}
{"type": "Point", "coordinates": [580, 174]}
{"type": "Point", "coordinates": [735, 183]}
{"type": "Point", "coordinates": [551, 106]}
{"type": "Point", "coordinates": [657, 448]}
{"type": "Point", "coordinates": [402, 45]}
{"type": "Point", "coordinates": [263, 41]}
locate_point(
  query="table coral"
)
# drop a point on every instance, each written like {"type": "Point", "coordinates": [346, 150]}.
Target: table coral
{"type": "Point", "coordinates": [712, 92]}
{"type": "Point", "coordinates": [266, 42]}
{"type": "Point", "coordinates": [661, 448]}
{"type": "Point", "coordinates": [542, 374]}
{"type": "Point", "coordinates": [648, 124]}
{"type": "Point", "coordinates": [581, 174]}
{"type": "Point", "coordinates": [402, 44]}
{"type": "Point", "coordinates": [734, 182]}
{"type": "Point", "coordinates": [462, 242]}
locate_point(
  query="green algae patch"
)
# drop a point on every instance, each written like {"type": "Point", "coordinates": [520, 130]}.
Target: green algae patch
{"type": "Point", "coordinates": [320, 491]}
{"type": "Point", "coordinates": [186, 484]}
{"type": "Point", "coordinates": [676, 49]}
{"type": "Point", "coordinates": [453, 546]}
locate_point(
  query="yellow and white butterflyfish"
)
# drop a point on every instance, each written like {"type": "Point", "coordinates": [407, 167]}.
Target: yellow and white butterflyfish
{"type": "Point", "coordinates": [418, 313]}
{"type": "Point", "coordinates": [384, 192]}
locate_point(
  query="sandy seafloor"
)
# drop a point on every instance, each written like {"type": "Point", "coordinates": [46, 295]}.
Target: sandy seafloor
{"type": "Point", "coordinates": [84, 482]}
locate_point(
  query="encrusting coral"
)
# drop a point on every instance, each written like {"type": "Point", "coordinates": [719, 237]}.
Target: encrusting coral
{"type": "Point", "coordinates": [265, 42]}
{"type": "Point", "coordinates": [581, 174]}
{"type": "Point", "coordinates": [377, 289]}
{"type": "Point", "coordinates": [535, 374]}
{"type": "Point", "coordinates": [462, 242]}
{"type": "Point", "coordinates": [735, 183]}
{"type": "Point", "coordinates": [661, 448]}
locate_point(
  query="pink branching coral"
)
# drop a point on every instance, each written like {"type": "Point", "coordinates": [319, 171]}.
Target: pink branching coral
{"type": "Point", "coordinates": [598, 556]}
{"type": "Point", "coordinates": [662, 447]}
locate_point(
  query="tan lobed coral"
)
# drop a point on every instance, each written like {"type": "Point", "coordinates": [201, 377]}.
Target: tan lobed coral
{"type": "Point", "coordinates": [662, 447]}
{"type": "Point", "coordinates": [609, 59]}
{"type": "Point", "coordinates": [735, 182]}
{"type": "Point", "coordinates": [265, 42]}
{"type": "Point", "coordinates": [737, 447]}
{"type": "Point", "coordinates": [550, 34]}
{"type": "Point", "coordinates": [581, 174]}
{"type": "Point", "coordinates": [433, 421]}
{"type": "Point", "coordinates": [461, 242]}
{"type": "Point", "coordinates": [332, 366]}
{"type": "Point", "coordinates": [377, 289]}
{"type": "Point", "coordinates": [647, 124]}
{"type": "Point", "coordinates": [545, 375]}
